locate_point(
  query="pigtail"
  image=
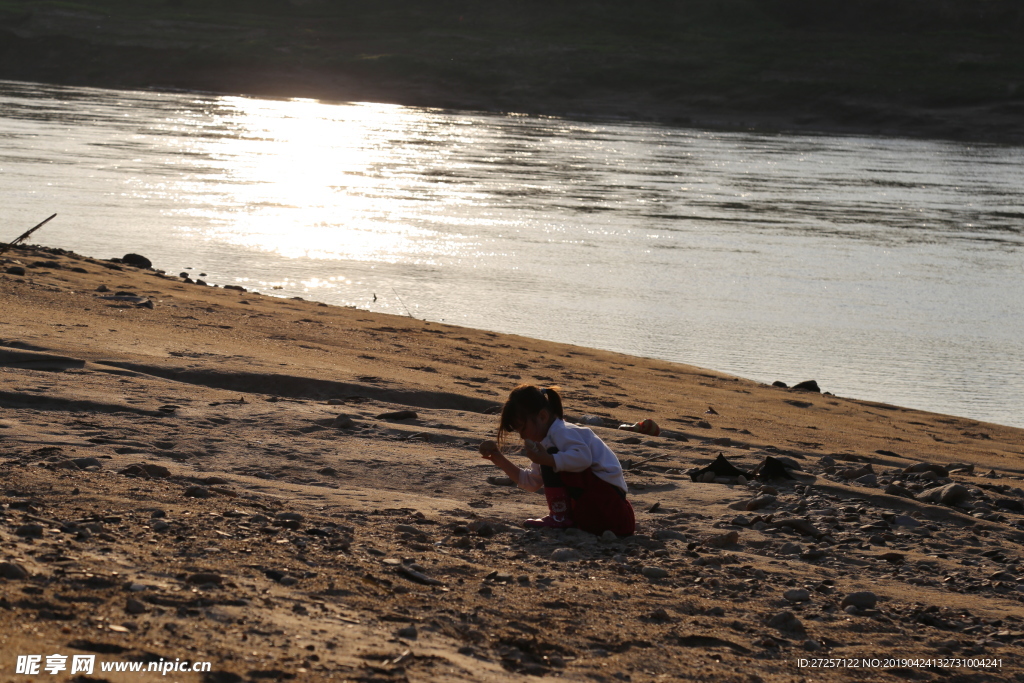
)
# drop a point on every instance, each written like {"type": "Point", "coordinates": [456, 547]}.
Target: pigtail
{"type": "Point", "coordinates": [525, 401]}
{"type": "Point", "coordinates": [554, 401]}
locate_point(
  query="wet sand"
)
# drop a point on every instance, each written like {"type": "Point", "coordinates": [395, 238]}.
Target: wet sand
{"type": "Point", "coordinates": [291, 491]}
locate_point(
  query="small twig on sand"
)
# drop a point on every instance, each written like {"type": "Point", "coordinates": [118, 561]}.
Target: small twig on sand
{"type": "Point", "coordinates": [634, 465]}
{"type": "Point", "coordinates": [25, 235]}
{"type": "Point", "coordinates": [403, 304]}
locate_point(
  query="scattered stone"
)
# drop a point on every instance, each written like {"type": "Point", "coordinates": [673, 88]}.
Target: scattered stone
{"type": "Point", "coordinates": [418, 576]}
{"type": "Point", "coordinates": [801, 526]}
{"type": "Point", "coordinates": [203, 578]}
{"type": "Point", "coordinates": [867, 480]}
{"type": "Point", "coordinates": [398, 415]}
{"type": "Point", "coordinates": [343, 422]}
{"type": "Point", "coordinates": [797, 595]}
{"type": "Point", "coordinates": [860, 600]}
{"type": "Point", "coordinates": [856, 472]}
{"type": "Point", "coordinates": [609, 536]}
{"type": "Point", "coordinates": [327, 471]}
{"type": "Point", "coordinates": [565, 555]}
{"type": "Point", "coordinates": [136, 260]}
{"type": "Point", "coordinates": [155, 471]}
{"type": "Point", "coordinates": [950, 494]}
{"type": "Point", "coordinates": [133, 606]}
{"type": "Point", "coordinates": [722, 540]}
{"type": "Point", "coordinates": [654, 572]}
{"type": "Point", "coordinates": [895, 489]}
{"type": "Point", "coordinates": [197, 492]}
{"type": "Point", "coordinates": [927, 467]}
{"type": "Point", "coordinates": [500, 480]}
{"type": "Point", "coordinates": [905, 520]}
{"type": "Point", "coordinates": [12, 571]}
{"type": "Point", "coordinates": [30, 530]}
{"type": "Point", "coordinates": [762, 501]}
{"type": "Point", "coordinates": [894, 558]}
{"type": "Point", "coordinates": [809, 385]}
{"type": "Point", "coordinates": [409, 632]}
{"type": "Point", "coordinates": [15, 270]}
{"type": "Point", "coordinates": [786, 622]}
{"type": "Point", "coordinates": [480, 528]}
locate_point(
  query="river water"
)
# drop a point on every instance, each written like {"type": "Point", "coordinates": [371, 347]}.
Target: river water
{"type": "Point", "coordinates": [886, 269]}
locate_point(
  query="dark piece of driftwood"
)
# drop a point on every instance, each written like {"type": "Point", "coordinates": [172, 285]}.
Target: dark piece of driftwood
{"type": "Point", "coordinates": [24, 236]}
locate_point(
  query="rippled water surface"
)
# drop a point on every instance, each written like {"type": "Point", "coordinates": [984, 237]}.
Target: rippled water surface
{"type": "Point", "coordinates": [886, 269]}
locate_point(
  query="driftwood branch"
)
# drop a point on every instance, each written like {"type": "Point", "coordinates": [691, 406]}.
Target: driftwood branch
{"type": "Point", "coordinates": [24, 236]}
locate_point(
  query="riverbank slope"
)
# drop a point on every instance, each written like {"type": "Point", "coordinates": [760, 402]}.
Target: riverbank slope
{"type": "Point", "coordinates": [952, 70]}
{"type": "Point", "coordinates": [291, 490]}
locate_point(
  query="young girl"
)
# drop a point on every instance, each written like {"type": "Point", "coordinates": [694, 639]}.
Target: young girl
{"type": "Point", "coordinates": [582, 478]}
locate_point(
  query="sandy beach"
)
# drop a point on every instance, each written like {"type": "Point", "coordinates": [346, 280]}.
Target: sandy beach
{"type": "Point", "coordinates": [288, 490]}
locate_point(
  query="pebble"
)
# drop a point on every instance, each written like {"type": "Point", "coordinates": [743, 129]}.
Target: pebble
{"type": "Point", "coordinates": [654, 572]}
{"type": "Point", "coordinates": [155, 471]}
{"type": "Point", "coordinates": [201, 578]}
{"type": "Point", "coordinates": [797, 595]}
{"type": "Point", "coordinates": [30, 530]}
{"type": "Point", "coordinates": [761, 501]}
{"type": "Point", "coordinates": [197, 492]}
{"type": "Point", "coordinates": [895, 558]}
{"type": "Point", "coordinates": [398, 415]}
{"type": "Point", "coordinates": [895, 489]}
{"type": "Point", "coordinates": [723, 540]}
{"type": "Point", "coordinates": [565, 555]}
{"type": "Point", "coordinates": [950, 494]}
{"type": "Point", "coordinates": [499, 480]}
{"type": "Point", "coordinates": [15, 270]}
{"type": "Point", "coordinates": [905, 520]}
{"type": "Point", "coordinates": [136, 260]}
{"type": "Point", "coordinates": [867, 480]}
{"type": "Point", "coordinates": [786, 621]}
{"type": "Point", "coordinates": [860, 600]}
{"type": "Point", "coordinates": [609, 536]}
{"type": "Point", "coordinates": [160, 525]}
{"type": "Point", "coordinates": [12, 571]}
{"type": "Point", "coordinates": [409, 632]}
{"type": "Point", "coordinates": [343, 422]}
{"type": "Point", "coordinates": [133, 606]}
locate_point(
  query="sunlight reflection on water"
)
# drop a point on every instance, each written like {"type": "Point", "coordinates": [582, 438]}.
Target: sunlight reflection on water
{"type": "Point", "coordinates": [885, 269]}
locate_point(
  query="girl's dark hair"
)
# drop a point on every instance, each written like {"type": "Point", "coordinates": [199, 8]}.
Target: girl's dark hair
{"type": "Point", "coordinates": [523, 403]}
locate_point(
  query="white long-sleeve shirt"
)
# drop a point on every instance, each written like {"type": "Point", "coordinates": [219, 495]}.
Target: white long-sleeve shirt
{"type": "Point", "coordinates": [578, 449]}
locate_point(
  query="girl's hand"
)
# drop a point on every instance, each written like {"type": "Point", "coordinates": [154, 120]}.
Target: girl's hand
{"type": "Point", "coordinates": [489, 450]}
{"type": "Point", "coordinates": [533, 450]}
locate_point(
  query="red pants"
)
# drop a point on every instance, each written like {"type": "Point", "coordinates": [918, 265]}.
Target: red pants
{"type": "Point", "coordinates": [597, 506]}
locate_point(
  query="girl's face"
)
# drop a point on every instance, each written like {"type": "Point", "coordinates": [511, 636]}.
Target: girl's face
{"type": "Point", "coordinates": [535, 427]}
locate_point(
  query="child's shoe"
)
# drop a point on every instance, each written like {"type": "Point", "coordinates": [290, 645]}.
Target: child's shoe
{"type": "Point", "coordinates": [558, 505]}
{"type": "Point", "coordinates": [550, 522]}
